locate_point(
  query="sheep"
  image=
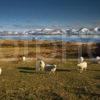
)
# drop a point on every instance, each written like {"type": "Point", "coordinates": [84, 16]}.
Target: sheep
{"type": "Point", "coordinates": [51, 68]}
{"type": "Point", "coordinates": [42, 65]}
{"type": "Point", "coordinates": [0, 71]}
{"type": "Point", "coordinates": [98, 59]}
{"type": "Point", "coordinates": [24, 58]}
{"type": "Point", "coordinates": [82, 65]}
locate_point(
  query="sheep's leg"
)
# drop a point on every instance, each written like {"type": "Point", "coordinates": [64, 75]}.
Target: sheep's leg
{"type": "Point", "coordinates": [42, 69]}
{"type": "Point", "coordinates": [85, 69]}
{"type": "Point", "coordinates": [51, 72]}
{"type": "Point", "coordinates": [81, 70]}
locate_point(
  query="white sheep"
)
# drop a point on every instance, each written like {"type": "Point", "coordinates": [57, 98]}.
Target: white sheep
{"type": "Point", "coordinates": [0, 71]}
{"type": "Point", "coordinates": [98, 59]}
{"type": "Point", "coordinates": [42, 65]}
{"type": "Point", "coordinates": [82, 66]}
{"type": "Point", "coordinates": [24, 58]}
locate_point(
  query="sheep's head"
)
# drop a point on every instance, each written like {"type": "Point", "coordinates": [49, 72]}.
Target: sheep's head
{"type": "Point", "coordinates": [55, 66]}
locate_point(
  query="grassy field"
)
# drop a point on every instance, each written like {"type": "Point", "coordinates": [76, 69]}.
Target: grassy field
{"type": "Point", "coordinates": [19, 81]}
{"type": "Point", "coordinates": [48, 49]}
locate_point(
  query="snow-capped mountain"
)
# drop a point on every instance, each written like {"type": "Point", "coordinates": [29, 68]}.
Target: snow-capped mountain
{"type": "Point", "coordinates": [84, 30]}
{"type": "Point", "coordinates": [55, 31]}
{"type": "Point", "coordinates": [97, 29]}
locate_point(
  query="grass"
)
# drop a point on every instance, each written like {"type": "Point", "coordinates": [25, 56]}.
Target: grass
{"type": "Point", "coordinates": [12, 48]}
{"type": "Point", "coordinates": [19, 81]}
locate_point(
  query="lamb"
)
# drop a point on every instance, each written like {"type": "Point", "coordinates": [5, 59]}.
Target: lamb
{"type": "Point", "coordinates": [0, 71]}
{"type": "Point", "coordinates": [82, 65]}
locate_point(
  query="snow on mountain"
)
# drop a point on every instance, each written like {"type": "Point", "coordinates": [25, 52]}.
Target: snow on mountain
{"type": "Point", "coordinates": [84, 30]}
{"type": "Point", "coordinates": [69, 31]}
{"type": "Point", "coordinates": [97, 29]}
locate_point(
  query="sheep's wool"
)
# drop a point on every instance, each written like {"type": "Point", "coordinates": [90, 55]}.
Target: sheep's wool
{"type": "Point", "coordinates": [0, 71]}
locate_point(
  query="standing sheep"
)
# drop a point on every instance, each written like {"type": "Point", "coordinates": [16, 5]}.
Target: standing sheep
{"type": "Point", "coordinates": [42, 65]}
{"type": "Point", "coordinates": [98, 59]}
{"type": "Point", "coordinates": [51, 68]}
{"type": "Point", "coordinates": [24, 58]}
{"type": "Point", "coordinates": [82, 66]}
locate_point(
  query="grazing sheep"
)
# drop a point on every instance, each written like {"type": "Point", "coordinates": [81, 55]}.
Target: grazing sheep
{"type": "Point", "coordinates": [96, 60]}
{"type": "Point", "coordinates": [24, 58]}
{"type": "Point", "coordinates": [51, 68]}
{"type": "Point", "coordinates": [0, 71]}
{"type": "Point", "coordinates": [82, 65]}
{"type": "Point", "coordinates": [40, 65]}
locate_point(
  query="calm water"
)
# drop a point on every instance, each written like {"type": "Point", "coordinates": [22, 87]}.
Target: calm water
{"type": "Point", "coordinates": [73, 38]}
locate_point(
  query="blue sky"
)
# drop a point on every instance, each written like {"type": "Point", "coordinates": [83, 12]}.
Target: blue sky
{"type": "Point", "coordinates": [27, 14]}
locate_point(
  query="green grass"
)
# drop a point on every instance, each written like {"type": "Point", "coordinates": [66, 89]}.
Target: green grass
{"type": "Point", "coordinates": [19, 81]}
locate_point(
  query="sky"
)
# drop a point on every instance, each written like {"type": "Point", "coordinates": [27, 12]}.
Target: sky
{"type": "Point", "coordinates": [28, 14]}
